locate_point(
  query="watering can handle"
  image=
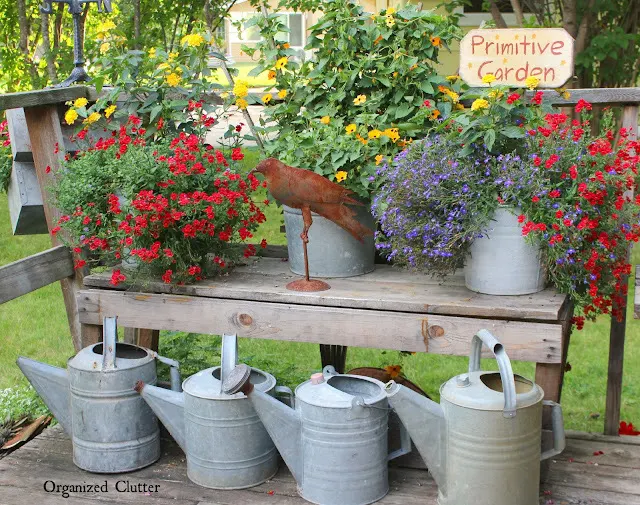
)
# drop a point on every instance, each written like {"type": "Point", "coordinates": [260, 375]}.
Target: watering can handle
{"type": "Point", "coordinates": [504, 365]}
{"type": "Point", "coordinates": [174, 370]}
{"type": "Point", "coordinates": [557, 425]}
{"type": "Point", "coordinates": [285, 395]}
{"type": "Point", "coordinates": [405, 443]}
{"type": "Point", "coordinates": [228, 355]}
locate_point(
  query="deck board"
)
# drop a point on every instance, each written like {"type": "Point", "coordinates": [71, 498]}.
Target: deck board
{"type": "Point", "coordinates": [575, 477]}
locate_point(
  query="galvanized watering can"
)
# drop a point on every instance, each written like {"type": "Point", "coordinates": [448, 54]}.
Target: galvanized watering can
{"type": "Point", "coordinates": [112, 428]}
{"type": "Point", "coordinates": [226, 445]}
{"type": "Point", "coordinates": [335, 439]}
{"type": "Point", "coordinates": [482, 443]}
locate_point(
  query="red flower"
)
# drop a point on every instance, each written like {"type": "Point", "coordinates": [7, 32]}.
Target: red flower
{"type": "Point", "coordinates": [47, 170]}
{"type": "Point", "coordinates": [627, 429]}
{"type": "Point", "coordinates": [117, 277]}
{"type": "Point", "coordinates": [512, 98]}
{"type": "Point", "coordinates": [86, 220]}
{"type": "Point", "coordinates": [554, 193]}
{"type": "Point", "coordinates": [166, 277]}
{"type": "Point", "coordinates": [79, 264]}
{"type": "Point", "coordinates": [535, 199]}
{"type": "Point", "coordinates": [582, 104]}
{"type": "Point", "coordinates": [521, 218]}
{"type": "Point", "coordinates": [237, 154]}
{"type": "Point", "coordinates": [263, 243]}
{"type": "Point", "coordinates": [426, 103]}
{"type": "Point", "coordinates": [537, 98]}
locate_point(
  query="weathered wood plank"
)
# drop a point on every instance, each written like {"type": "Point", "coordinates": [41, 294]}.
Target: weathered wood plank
{"type": "Point", "coordinates": [25, 200]}
{"type": "Point", "coordinates": [28, 274]}
{"type": "Point", "coordinates": [609, 96]}
{"type": "Point", "coordinates": [600, 438]}
{"type": "Point", "coordinates": [41, 97]}
{"type": "Point", "coordinates": [540, 342]}
{"type": "Point", "coordinates": [618, 328]}
{"type": "Point", "coordinates": [19, 135]}
{"type": "Point", "coordinates": [387, 288]}
{"type": "Point", "coordinates": [47, 141]}
{"type": "Point", "coordinates": [143, 337]}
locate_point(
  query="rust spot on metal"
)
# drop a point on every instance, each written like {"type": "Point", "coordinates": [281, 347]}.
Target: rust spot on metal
{"type": "Point", "coordinates": [436, 331]}
{"type": "Point", "coordinates": [245, 319]}
{"type": "Point", "coordinates": [139, 386]}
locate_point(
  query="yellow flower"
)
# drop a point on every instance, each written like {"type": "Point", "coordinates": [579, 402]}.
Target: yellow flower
{"type": "Point", "coordinates": [459, 106]}
{"type": "Point", "coordinates": [361, 139]}
{"type": "Point", "coordinates": [436, 41]}
{"type": "Point", "coordinates": [109, 110]}
{"type": "Point", "coordinates": [173, 79]}
{"type": "Point", "coordinates": [152, 52]}
{"type": "Point", "coordinates": [70, 116]}
{"type": "Point", "coordinates": [282, 94]}
{"type": "Point", "coordinates": [104, 47]}
{"type": "Point", "coordinates": [375, 134]}
{"type": "Point", "coordinates": [360, 99]}
{"type": "Point", "coordinates": [479, 103]}
{"type": "Point", "coordinates": [496, 94]}
{"type": "Point", "coordinates": [453, 95]}
{"type": "Point", "coordinates": [566, 95]}
{"type": "Point", "coordinates": [453, 78]}
{"type": "Point", "coordinates": [80, 102]}
{"type": "Point", "coordinates": [350, 128]}
{"type": "Point", "coordinates": [392, 133]}
{"type": "Point", "coordinates": [271, 74]}
{"type": "Point", "coordinates": [413, 67]}
{"type": "Point", "coordinates": [281, 63]}
{"type": "Point", "coordinates": [241, 88]}
{"type": "Point", "coordinates": [395, 74]}
{"type": "Point", "coordinates": [173, 56]}
{"type": "Point", "coordinates": [164, 66]}
{"type": "Point", "coordinates": [379, 159]}
{"type": "Point", "coordinates": [106, 26]}
{"type": "Point", "coordinates": [325, 119]}
{"type": "Point", "coordinates": [373, 17]}
{"type": "Point", "coordinates": [531, 82]}
{"type": "Point", "coordinates": [224, 95]}
{"type": "Point", "coordinates": [390, 21]}
{"type": "Point", "coordinates": [267, 98]}
{"type": "Point", "coordinates": [434, 114]}
{"type": "Point", "coordinates": [393, 370]}
{"type": "Point", "coordinates": [192, 40]}
{"type": "Point", "coordinates": [92, 118]}
{"type": "Point", "coordinates": [390, 11]}
{"type": "Point", "coordinates": [242, 103]}
{"type": "Point", "coordinates": [488, 78]}
{"type": "Point", "coordinates": [341, 176]}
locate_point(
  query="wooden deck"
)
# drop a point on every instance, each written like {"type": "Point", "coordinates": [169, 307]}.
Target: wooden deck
{"type": "Point", "coordinates": [576, 477]}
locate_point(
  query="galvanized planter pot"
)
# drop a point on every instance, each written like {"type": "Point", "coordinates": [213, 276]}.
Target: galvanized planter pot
{"type": "Point", "coordinates": [504, 263]}
{"type": "Point", "coordinates": [333, 252]}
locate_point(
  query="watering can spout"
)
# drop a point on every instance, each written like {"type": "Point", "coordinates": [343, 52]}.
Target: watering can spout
{"type": "Point", "coordinates": [168, 406]}
{"type": "Point", "coordinates": [52, 384]}
{"type": "Point", "coordinates": [424, 420]}
{"type": "Point", "coordinates": [284, 426]}
{"type": "Point", "coordinates": [282, 422]}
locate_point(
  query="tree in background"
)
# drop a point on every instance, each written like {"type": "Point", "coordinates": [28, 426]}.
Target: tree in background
{"type": "Point", "coordinates": [36, 48]}
{"type": "Point", "coordinates": [607, 49]}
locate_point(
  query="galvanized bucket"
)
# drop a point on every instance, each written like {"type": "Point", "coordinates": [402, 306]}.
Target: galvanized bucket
{"type": "Point", "coordinates": [333, 252]}
{"type": "Point", "coordinates": [112, 428]}
{"type": "Point", "coordinates": [504, 263]}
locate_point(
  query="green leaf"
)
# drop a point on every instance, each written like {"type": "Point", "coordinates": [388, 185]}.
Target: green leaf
{"type": "Point", "coordinates": [155, 112]}
{"type": "Point", "coordinates": [426, 87]}
{"type": "Point", "coordinates": [513, 132]}
{"type": "Point", "coordinates": [403, 110]}
{"type": "Point", "coordinates": [489, 139]}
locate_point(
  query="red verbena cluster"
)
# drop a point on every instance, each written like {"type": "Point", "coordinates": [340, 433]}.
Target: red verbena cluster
{"type": "Point", "coordinates": [185, 212]}
{"type": "Point", "coordinates": [584, 208]}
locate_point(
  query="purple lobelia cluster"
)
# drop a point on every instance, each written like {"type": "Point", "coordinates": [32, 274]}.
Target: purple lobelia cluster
{"type": "Point", "coordinates": [434, 202]}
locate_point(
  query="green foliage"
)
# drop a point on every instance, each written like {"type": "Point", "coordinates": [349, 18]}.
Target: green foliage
{"type": "Point", "coordinates": [21, 401]}
{"type": "Point", "coordinates": [193, 351]}
{"type": "Point", "coordinates": [372, 71]}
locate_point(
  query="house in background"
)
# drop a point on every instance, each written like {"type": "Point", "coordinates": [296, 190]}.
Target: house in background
{"type": "Point", "coordinates": [299, 23]}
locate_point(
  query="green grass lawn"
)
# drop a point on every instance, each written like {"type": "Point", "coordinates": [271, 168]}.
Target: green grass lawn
{"type": "Point", "coordinates": [35, 325]}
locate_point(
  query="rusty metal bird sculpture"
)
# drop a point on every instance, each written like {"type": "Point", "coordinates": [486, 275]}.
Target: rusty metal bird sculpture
{"type": "Point", "coordinates": [310, 192]}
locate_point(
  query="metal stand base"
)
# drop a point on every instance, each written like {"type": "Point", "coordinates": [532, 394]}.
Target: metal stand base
{"type": "Point", "coordinates": [308, 285]}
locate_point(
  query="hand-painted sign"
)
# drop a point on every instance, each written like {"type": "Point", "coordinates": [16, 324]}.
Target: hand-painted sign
{"type": "Point", "coordinates": [512, 55]}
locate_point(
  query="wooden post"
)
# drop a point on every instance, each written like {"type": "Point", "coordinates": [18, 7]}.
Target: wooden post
{"type": "Point", "coordinates": [618, 328]}
{"type": "Point", "coordinates": [47, 146]}
{"type": "Point", "coordinates": [143, 337]}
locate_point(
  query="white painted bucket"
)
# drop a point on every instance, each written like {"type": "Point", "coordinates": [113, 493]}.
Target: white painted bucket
{"type": "Point", "coordinates": [504, 263]}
